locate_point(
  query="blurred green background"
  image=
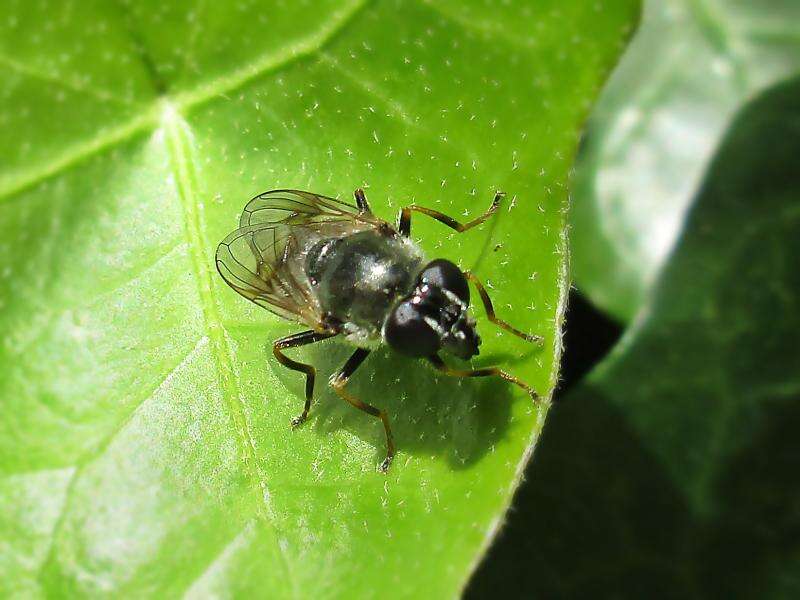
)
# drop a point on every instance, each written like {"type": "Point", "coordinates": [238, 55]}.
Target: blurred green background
{"type": "Point", "coordinates": [144, 446]}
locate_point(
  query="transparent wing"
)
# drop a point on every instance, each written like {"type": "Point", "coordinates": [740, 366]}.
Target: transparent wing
{"type": "Point", "coordinates": [258, 262]}
{"type": "Point", "coordinates": [295, 207]}
{"type": "Point", "coordinates": [264, 259]}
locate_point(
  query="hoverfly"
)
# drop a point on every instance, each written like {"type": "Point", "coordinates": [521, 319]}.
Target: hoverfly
{"type": "Point", "coordinates": [341, 270]}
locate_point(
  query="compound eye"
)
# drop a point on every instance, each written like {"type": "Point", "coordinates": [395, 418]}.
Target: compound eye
{"type": "Point", "coordinates": [407, 332]}
{"type": "Point", "coordinates": [446, 275]}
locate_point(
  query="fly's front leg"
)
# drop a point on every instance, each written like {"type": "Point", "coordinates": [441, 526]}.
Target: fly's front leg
{"type": "Point", "coordinates": [404, 218]}
{"type": "Point", "coordinates": [293, 341]}
{"type": "Point", "coordinates": [338, 382]}
{"type": "Point", "coordinates": [487, 305]}
{"type": "Point", "coordinates": [485, 372]}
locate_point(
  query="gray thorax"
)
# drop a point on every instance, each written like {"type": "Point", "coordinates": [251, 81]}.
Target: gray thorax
{"type": "Point", "coordinates": [359, 278]}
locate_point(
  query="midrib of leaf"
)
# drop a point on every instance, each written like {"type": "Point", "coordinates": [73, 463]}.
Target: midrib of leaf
{"type": "Point", "coordinates": [179, 146]}
{"type": "Point", "coordinates": [182, 163]}
{"type": "Point", "coordinates": [165, 113]}
{"type": "Point", "coordinates": [183, 102]}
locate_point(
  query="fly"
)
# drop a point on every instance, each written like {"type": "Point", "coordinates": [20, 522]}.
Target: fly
{"type": "Point", "coordinates": [340, 270]}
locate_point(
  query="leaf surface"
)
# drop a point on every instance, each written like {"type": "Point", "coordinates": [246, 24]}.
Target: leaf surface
{"type": "Point", "coordinates": [145, 447]}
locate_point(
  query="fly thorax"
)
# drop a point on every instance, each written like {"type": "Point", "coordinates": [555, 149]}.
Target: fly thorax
{"type": "Point", "coordinates": [358, 278]}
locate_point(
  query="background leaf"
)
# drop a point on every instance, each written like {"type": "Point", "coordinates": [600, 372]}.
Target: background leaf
{"type": "Point", "coordinates": [144, 447]}
{"type": "Point", "coordinates": [671, 472]}
{"type": "Point", "coordinates": [690, 67]}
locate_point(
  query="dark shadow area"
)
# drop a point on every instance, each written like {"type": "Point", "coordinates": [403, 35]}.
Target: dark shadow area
{"type": "Point", "coordinates": [758, 523]}
{"type": "Point", "coordinates": [579, 502]}
{"type": "Point", "coordinates": [597, 498]}
{"type": "Point", "coordinates": [589, 335]}
{"type": "Point", "coordinates": [430, 413]}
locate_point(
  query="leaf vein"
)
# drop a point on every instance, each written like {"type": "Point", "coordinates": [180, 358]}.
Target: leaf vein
{"type": "Point", "coordinates": [203, 93]}
{"type": "Point", "coordinates": [182, 161]}
{"type": "Point", "coordinates": [60, 80]}
{"type": "Point", "coordinates": [484, 28]}
{"type": "Point", "coordinates": [27, 178]}
{"type": "Point", "coordinates": [271, 62]}
{"type": "Point", "coordinates": [84, 460]}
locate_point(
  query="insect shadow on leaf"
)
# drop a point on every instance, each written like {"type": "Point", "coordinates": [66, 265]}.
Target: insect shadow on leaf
{"type": "Point", "coordinates": [432, 414]}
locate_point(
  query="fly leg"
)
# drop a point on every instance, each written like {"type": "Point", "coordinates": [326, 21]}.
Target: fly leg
{"type": "Point", "coordinates": [485, 372]}
{"type": "Point", "coordinates": [339, 380]}
{"type": "Point", "coordinates": [404, 218]}
{"type": "Point", "coordinates": [361, 202]}
{"type": "Point", "coordinates": [487, 304]}
{"type": "Point", "coordinates": [293, 341]}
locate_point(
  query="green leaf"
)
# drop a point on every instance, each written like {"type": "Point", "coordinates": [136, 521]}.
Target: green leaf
{"type": "Point", "coordinates": [145, 447]}
{"type": "Point", "coordinates": [672, 472]}
{"type": "Point", "coordinates": [691, 66]}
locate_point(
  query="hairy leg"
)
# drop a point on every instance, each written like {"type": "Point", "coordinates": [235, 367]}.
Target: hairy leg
{"type": "Point", "coordinates": [293, 341]}
{"type": "Point", "coordinates": [338, 382]}
{"type": "Point", "coordinates": [404, 219]}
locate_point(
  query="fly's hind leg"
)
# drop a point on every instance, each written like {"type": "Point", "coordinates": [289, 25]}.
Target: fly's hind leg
{"type": "Point", "coordinates": [487, 305]}
{"type": "Point", "coordinates": [340, 379]}
{"type": "Point", "coordinates": [404, 218]}
{"type": "Point", "coordinates": [293, 341]}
